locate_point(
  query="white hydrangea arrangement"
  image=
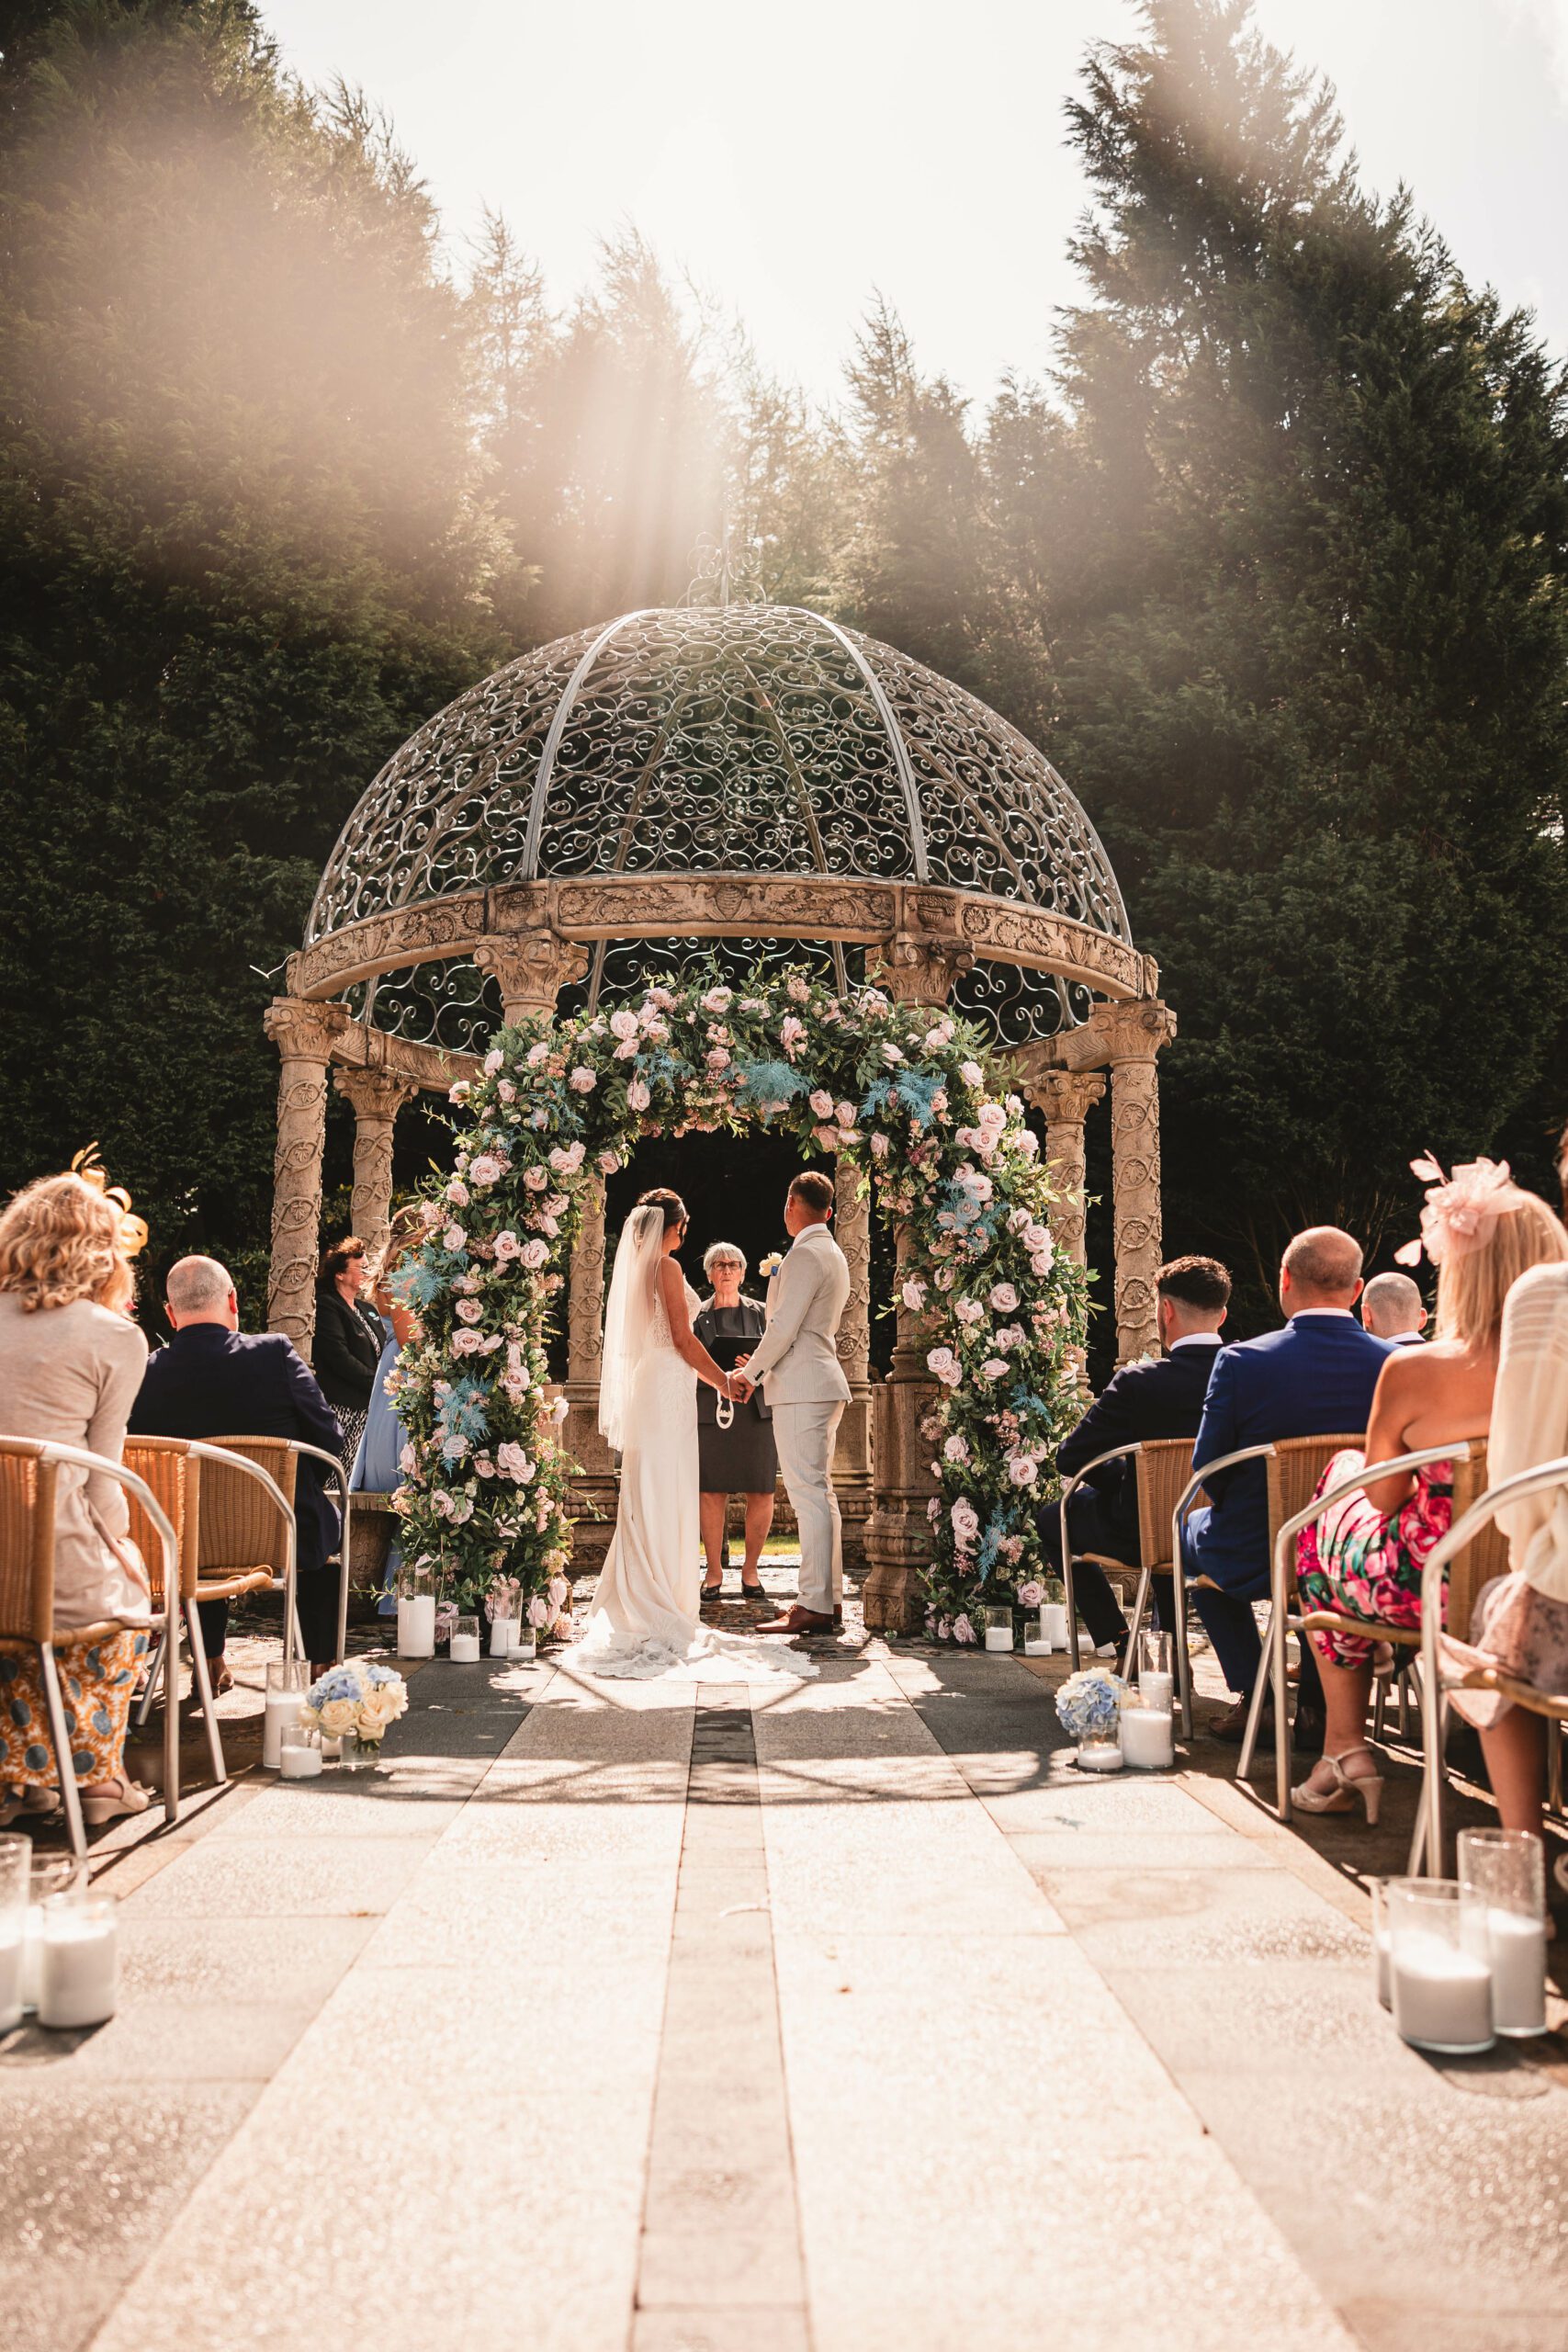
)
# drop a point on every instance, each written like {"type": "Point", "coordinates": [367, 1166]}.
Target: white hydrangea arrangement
{"type": "Point", "coordinates": [359, 1696]}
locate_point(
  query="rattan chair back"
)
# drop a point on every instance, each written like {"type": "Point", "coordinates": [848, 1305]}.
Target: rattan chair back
{"type": "Point", "coordinates": [1294, 1468]}
{"type": "Point", "coordinates": [174, 1472]}
{"type": "Point", "coordinates": [240, 1528]}
{"type": "Point", "coordinates": [28, 1487]}
{"type": "Point", "coordinates": [1164, 1466]}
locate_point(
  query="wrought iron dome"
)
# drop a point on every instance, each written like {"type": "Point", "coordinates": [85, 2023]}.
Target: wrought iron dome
{"type": "Point", "coordinates": [747, 740]}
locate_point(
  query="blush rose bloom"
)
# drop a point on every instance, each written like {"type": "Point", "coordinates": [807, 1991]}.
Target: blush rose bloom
{"type": "Point", "coordinates": [944, 1367]}
{"type": "Point", "coordinates": [535, 1254]}
{"type": "Point", "coordinates": [638, 1096]}
{"type": "Point", "coordinates": [582, 1080]}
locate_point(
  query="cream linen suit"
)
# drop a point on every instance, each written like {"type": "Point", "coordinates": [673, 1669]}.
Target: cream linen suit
{"type": "Point", "coordinates": [797, 1363]}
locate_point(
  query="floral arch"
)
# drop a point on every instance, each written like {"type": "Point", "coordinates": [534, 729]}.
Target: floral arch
{"type": "Point", "coordinates": [992, 1314]}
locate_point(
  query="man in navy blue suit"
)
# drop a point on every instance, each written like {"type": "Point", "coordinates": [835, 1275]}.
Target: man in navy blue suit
{"type": "Point", "coordinates": [214, 1381]}
{"type": "Point", "coordinates": [1159, 1397]}
{"type": "Point", "coordinates": [1312, 1379]}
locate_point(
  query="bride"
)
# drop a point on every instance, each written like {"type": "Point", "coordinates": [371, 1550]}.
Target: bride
{"type": "Point", "coordinates": [645, 1619]}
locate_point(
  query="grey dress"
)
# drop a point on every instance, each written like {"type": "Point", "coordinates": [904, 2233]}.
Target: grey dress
{"type": "Point", "coordinates": [743, 1459]}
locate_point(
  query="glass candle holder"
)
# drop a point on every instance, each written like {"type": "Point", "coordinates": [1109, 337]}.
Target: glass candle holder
{"type": "Point", "coordinates": [416, 1614]}
{"type": "Point", "coordinates": [299, 1755]}
{"type": "Point", "coordinates": [525, 1645]}
{"type": "Point", "coordinates": [1148, 1739]}
{"type": "Point", "coordinates": [15, 1858]}
{"type": "Point", "coordinates": [50, 1874]}
{"type": "Point", "coordinates": [288, 1680]}
{"type": "Point", "coordinates": [1100, 1751]}
{"type": "Point", "coordinates": [353, 1754]}
{"type": "Point", "coordinates": [79, 1982]}
{"type": "Point", "coordinates": [465, 1642]}
{"type": "Point", "coordinates": [1156, 1683]}
{"type": "Point", "coordinates": [504, 1633]}
{"type": "Point", "coordinates": [1382, 1934]}
{"type": "Point", "coordinates": [1439, 1968]}
{"type": "Point", "coordinates": [998, 1629]}
{"type": "Point", "coordinates": [1053, 1614]}
{"type": "Point", "coordinates": [1504, 1871]}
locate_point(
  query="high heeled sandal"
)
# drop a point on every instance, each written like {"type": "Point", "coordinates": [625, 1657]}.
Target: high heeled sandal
{"type": "Point", "coordinates": [1368, 1786]}
{"type": "Point", "coordinates": [115, 1798]}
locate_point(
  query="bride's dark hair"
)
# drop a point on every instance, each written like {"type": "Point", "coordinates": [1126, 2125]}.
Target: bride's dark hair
{"type": "Point", "coordinates": [670, 1203]}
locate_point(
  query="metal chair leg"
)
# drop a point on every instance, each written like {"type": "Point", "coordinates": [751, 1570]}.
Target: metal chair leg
{"type": "Point", "coordinates": [1553, 1768]}
{"type": "Point", "coordinates": [155, 1676]}
{"type": "Point", "coordinates": [1435, 1723]}
{"type": "Point", "coordinates": [1140, 1602]}
{"type": "Point", "coordinates": [1254, 1714]}
{"type": "Point", "coordinates": [1379, 1710]}
{"type": "Point", "coordinates": [1074, 1652]}
{"type": "Point", "coordinates": [203, 1682]}
{"type": "Point", "coordinates": [70, 1795]}
{"type": "Point", "coordinates": [1179, 1634]}
{"type": "Point", "coordinates": [1281, 1715]}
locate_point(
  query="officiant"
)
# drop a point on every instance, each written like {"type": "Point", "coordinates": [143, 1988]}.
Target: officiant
{"type": "Point", "coordinates": [742, 1458]}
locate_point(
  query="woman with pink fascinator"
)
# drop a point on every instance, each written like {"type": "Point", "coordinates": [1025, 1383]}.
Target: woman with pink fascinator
{"type": "Point", "coordinates": [1364, 1558]}
{"type": "Point", "coordinates": [1519, 1624]}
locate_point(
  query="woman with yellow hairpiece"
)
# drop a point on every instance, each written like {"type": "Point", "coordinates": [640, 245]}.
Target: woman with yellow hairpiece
{"type": "Point", "coordinates": [70, 1363]}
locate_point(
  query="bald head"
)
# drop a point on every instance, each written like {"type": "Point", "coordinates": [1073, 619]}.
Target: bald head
{"type": "Point", "coordinates": [198, 1290]}
{"type": "Point", "coordinates": [1321, 1267]}
{"type": "Point", "coordinates": [1391, 1303]}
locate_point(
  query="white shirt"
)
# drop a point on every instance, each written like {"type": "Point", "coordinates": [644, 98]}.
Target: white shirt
{"type": "Point", "coordinates": [1301, 1313]}
{"type": "Point", "coordinates": [1196, 1340]}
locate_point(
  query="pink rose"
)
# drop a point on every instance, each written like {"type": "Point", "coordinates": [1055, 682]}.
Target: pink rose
{"type": "Point", "coordinates": [995, 1368]}
{"type": "Point", "coordinates": [638, 1096]}
{"type": "Point", "coordinates": [486, 1169]}
{"type": "Point", "coordinates": [963, 1631]}
{"type": "Point", "coordinates": [458, 1193]}
{"type": "Point", "coordinates": [507, 1247]}
{"type": "Point", "coordinates": [566, 1160]}
{"type": "Point", "coordinates": [956, 1448]}
{"type": "Point", "coordinates": [717, 1058]}
{"type": "Point", "coordinates": [583, 1081]}
{"type": "Point", "coordinates": [797, 988]}
{"type": "Point", "coordinates": [493, 1061]}
{"type": "Point", "coordinates": [913, 1296]}
{"type": "Point", "coordinates": [468, 1310]}
{"type": "Point", "coordinates": [821, 1102]}
{"type": "Point", "coordinates": [944, 1367]}
{"type": "Point", "coordinates": [624, 1023]}
{"type": "Point", "coordinates": [791, 1035]}
{"type": "Point", "coordinates": [454, 1237]}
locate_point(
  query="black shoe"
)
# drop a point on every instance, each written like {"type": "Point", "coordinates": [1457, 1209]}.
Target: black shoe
{"type": "Point", "coordinates": [753, 1591]}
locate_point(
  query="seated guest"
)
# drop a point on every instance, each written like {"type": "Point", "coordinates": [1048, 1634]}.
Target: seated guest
{"type": "Point", "coordinates": [71, 1362]}
{"type": "Point", "coordinates": [1364, 1558]}
{"type": "Point", "coordinates": [213, 1380]}
{"type": "Point", "coordinates": [1312, 1378]}
{"type": "Point", "coordinates": [1391, 1310]}
{"type": "Point", "coordinates": [1155, 1398]}
{"type": "Point", "coordinates": [348, 1340]}
{"type": "Point", "coordinates": [1519, 1624]}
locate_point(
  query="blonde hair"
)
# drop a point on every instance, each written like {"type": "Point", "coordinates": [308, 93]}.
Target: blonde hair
{"type": "Point", "coordinates": [60, 1240]}
{"type": "Point", "coordinates": [1473, 1283]}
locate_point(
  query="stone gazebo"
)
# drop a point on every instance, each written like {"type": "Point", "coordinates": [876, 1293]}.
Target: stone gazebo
{"type": "Point", "coordinates": [753, 781]}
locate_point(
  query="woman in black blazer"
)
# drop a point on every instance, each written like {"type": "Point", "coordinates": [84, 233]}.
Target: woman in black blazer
{"type": "Point", "coordinates": [349, 1339]}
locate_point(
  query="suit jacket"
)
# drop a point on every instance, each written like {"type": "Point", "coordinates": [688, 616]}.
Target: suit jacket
{"type": "Point", "coordinates": [796, 1355]}
{"type": "Point", "coordinates": [346, 1348]}
{"type": "Point", "coordinates": [211, 1383]}
{"type": "Point", "coordinates": [1162, 1398]}
{"type": "Point", "coordinates": [1311, 1379]}
{"type": "Point", "coordinates": [724, 1348]}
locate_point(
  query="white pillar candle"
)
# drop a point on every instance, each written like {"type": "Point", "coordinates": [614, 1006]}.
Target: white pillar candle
{"type": "Point", "coordinates": [301, 1762]}
{"type": "Point", "coordinates": [12, 1944]}
{"type": "Point", "coordinates": [32, 1955]}
{"type": "Point", "coordinates": [1442, 1996]}
{"type": "Point", "coordinates": [1100, 1756]}
{"type": "Point", "coordinates": [998, 1638]}
{"type": "Point", "coordinates": [282, 1707]}
{"type": "Point", "coordinates": [465, 1649]}
{"type": "Point", "coordinates": [1156, 1691]}
{"type": "Point", "coordinates": [1383, 1942]}
{"type": "Point", "coordinates": [1035, 1643]}
{"type": "Point", "coordinates": [1053, 1624]}
{"type": "Point", "coordinates": [1517, 1945]}
{"type": "Point", "coordinates": [1147, 1742]}
{"type": "Point", "coordinates": [416, 1626]}
{"type": "Point", "coordinates": [81, 1968]}
{"type": "Point", "coordinates": [503, 1634]}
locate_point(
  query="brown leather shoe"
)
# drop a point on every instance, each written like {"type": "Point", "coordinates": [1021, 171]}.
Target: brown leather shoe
{"type": "Point", "coordinates": [799, 1621]}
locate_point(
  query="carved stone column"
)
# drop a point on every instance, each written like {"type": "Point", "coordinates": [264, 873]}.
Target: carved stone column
{"type": "Point", "coordinates": [377, 1096]}
{"type": "Point", "coordinates": [1066, 1097]}
{"type": "Point", "coordinates": [303, 1035]}
{"type": "Point", "coordinates": [593, 1489]}
{"type": "Point", "coordinates": [918, 969]}
{"type": "Point", "coordinates": [1133, 1035]}
{"type": "Point", "coordinates": [852, 1459]}
{"type": "Point", "coordinates": [531, 969]}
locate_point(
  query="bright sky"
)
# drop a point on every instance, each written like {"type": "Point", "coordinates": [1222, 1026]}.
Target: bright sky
{"type": "Point", "coordinates": [793, 160]}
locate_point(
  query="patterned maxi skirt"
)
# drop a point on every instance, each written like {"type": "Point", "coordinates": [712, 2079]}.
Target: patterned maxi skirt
{"type": "Point", "coordinates": [1359, 1563]}
{"type": "Point", "coordinates": [96, 1680]}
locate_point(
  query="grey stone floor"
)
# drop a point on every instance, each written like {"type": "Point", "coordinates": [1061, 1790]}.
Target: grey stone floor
{"type": "Point", "coordinates": [671, 2017]}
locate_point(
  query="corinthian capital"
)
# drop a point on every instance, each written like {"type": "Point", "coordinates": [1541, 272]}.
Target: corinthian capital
{"type": "Point", "coordinates": [531, 969]}
{"type": "Point", "coordinates": [375, 1093]}
{"type": "Point", "coordinates": [1132, 1032]}
{"type": "Point", "coordinates": [917, 970]}
{"type": "Point", "coordinates": [304, 1033]}
{"type": "Point", "coordinates": [1065, 1096]}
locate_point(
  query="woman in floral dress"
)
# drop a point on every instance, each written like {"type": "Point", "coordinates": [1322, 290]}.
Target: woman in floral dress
{"type": "Point", "coordinates": [1364, 1558]}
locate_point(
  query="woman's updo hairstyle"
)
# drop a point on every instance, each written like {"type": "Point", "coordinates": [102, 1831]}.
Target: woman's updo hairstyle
{"type": "Point", "coordinates": [670, 1205]}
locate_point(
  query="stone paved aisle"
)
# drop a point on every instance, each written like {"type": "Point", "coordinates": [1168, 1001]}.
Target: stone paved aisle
{"type": "Point", "coordinates": [675, 2019]}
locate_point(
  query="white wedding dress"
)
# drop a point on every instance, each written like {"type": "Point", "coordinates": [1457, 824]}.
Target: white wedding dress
{"type": "Point", "coordinates": [646, 1616]}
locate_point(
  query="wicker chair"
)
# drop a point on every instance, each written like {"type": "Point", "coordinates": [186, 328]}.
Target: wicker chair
{"type": "Point", "coordinates": [1474, 1540]}
{"type": "Point", "coordinates": [234, 1526]}
{"type": "Point", "coordinates": [29, 1473]}
{"type": "Point", "coordinates": [1468, 1459]}
{"type": "Point", "coordinates": [1294, 1467]}
{"type": "Point", "coordinates": [1163, 1465]}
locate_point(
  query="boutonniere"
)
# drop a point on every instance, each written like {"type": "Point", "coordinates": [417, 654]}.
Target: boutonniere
{"type": "Point", "coordinates": [770, 1266]}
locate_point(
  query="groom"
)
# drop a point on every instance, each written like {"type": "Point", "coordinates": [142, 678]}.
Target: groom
{"type": "Point", "coordinates": [796, 1359]}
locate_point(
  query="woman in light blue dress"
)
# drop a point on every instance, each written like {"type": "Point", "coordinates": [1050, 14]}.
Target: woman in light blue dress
{"type": "Point", "coordinates": [378, 1468]}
